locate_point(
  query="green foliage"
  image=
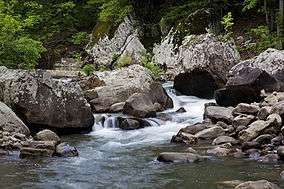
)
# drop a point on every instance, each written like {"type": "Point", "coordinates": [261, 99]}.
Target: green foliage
{"type": "Point", "coordinates": [148, 63]}
{"type": "Point", "coordinates": [227, 22]}
{"type": "Point", "coordinates": [264, 39]}
{"type": "Point", "coordinates": [80, 38]}
{"type": "Point", "coordinates": [249, 4]}
{"type": "Point", "coordinates": [88, 69]}
{"type": "Point", "coordinates": [124, 61]}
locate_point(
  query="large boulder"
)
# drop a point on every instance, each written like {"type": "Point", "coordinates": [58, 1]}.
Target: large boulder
{"type": "Point", "coordinates": [47, 135]}
{"type": "Point", "coordinates": [44, 102]}
{"type": "Point", "coordinates": [248, 78]}
{"type": "Point", "coordinates": [199, 65]}
{"type": "Point", "coordinates": [121, 84]}
{"type": "Point", "coordinates": [10, 122]}
{"type": "Point", "coordinates": [124, 43]}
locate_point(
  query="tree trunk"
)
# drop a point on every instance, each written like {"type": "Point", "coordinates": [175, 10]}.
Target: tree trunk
{"type": "Point", "coordinates": [280, 24]}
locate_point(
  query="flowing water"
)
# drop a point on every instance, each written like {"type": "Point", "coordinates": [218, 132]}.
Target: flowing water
{"type": "Point", "coordinates": [112, 158]}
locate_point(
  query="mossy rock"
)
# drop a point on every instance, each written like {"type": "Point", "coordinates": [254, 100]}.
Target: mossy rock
{"type": "Point", "coordinates": [103, 29]}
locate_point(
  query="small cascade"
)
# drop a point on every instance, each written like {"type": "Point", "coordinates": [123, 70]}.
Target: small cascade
{"type": "Point", "coordinates": [110, 122]}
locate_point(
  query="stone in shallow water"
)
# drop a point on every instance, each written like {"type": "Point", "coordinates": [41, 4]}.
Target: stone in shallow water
{"type": "Point", "coordinates": [47, 135]}
{"type": "Point", "coordinates": [219, 152]}
{"type": "Point", "coordinates": [260, 184]}
{"type": "Point", "coordinates": [180, 157]}
{"type": "Point", "coordinates": [224, 139]}
{"type": "Point", "coordinates": [65, 150]}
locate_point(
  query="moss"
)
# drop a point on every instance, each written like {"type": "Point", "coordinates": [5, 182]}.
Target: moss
{"type": "Point", "coordinates": [103, 29]}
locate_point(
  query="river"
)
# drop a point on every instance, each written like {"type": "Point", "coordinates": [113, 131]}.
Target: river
{"type": "Point", "coordinates": [112, 158]}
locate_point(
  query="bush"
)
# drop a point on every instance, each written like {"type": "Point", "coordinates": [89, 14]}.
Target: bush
{"type": "Point", "coordinates": [124, 61]}
{"type": "Point", "coordinates": [227, 22]}
{"type": "Point", "coordinates": [80, 38]}
{"type": "Point", "coordinates": [152, 67]}
{"type": "Point", "coordinates": [88, 69]}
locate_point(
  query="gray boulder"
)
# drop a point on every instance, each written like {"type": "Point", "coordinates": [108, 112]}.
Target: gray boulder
{"type": "Point", "coordinates": [223, 140]}
{"type": "Point", "coordinates": [199, 65]}
{"type": "Point", "coordinates": [10, 122]}
{"type": "Point", "coordinates": [121, 84]}
{"type": "Point", "coordinates": [125, 42]}
{"type": "Point", "coordinates": [43, 101]}
{"type": "Point", "coordinates": [218, 113]}
{"type": "Point", "coordinates": [47, 135]}
{"type": "Point", "coordinates": [210, 133]}
{"type": "Point", "coordinates": [248, 78]}
{"type": "Point", "coordinates": [180, 157]}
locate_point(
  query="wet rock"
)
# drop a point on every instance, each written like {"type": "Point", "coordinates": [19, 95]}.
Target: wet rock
{"type": "Point", "coordinates": [184, 138]}
{"type": "Point", "coordinates": [140, 105]}
{"type": "Point", "coordinates": [238, 154]}
{"type": "Point", "coordinates": [261, 184]}
{"type": "Point", "coordinates": [200, 60]}
{"type": "Point", "coordinates": [253, 130]}
{"type": "Point", "coordinates": [41, 100]}
{"type": "Point", "coordinates": [195, 128]}
{"type": "Point", "coordinates": [210, 133]}
{"type": "Point", "coordinates": [282, 175]}
{"type": "Point", "coordinates": [244, 108]}
{"type": "Point", "coordinates": [224, 139]}
{"type": "Point", "coordinates": [129, 124]}
{"type": "Point", "coordinates": [65, 150]}
{"type": "Point", "coordinates": [278, 108]}
{"type": "Point", "coordinates": [230, 184]}
{"type": "Point", "coordinates": [280, 152]}
{"type": "Point", "coordinates": [263, 139]}
{"type": "Point", "coordinates": [269, 158]}
{"type": "Point", "coordinates": [219, 152]}
{"type": "Point", "coordinates": [264, 113]}
{"type": "Point", "coordinates": [253, 154]}
{"type": "Point", "coordinates": [218, 113]}
{"type": "Point", "coordinates": [180, 157]}
{"type": "Point", "coordinates": [277, 141]}
{"type": "Point", "coordinates": [118, 107]}
{"type": "Point", "coordinates": [242, 120]}
{"type": "Point", "coordinates": [47, 135]}
{"type": "Point", "coordinates": [10, 122]}
{"type": "Point", "coordinates": [181, 110]}
{"type": "Point", "coordinates": [251, 145]}
{"type": "Point", "coordinates": [38, 149]}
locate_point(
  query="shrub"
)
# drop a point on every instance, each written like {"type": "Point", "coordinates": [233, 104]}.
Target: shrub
{"type": "Point", "coordinates": [80, 38]}
{"type": "Point", "coordinates": [124, 61]}
{"type": "Point", "coordinates": [227, 22]}
{"type": "Point", "coordinates": [152, 67]}
{"type": "Point", "coordinates": [88, 69]}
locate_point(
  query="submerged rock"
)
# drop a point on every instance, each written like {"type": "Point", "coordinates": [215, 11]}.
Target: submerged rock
{"type": "Point", "coordinates": [180, 157]}
{"type": "Point", "coordinates": [199, 65]}
{"type": "Point", "coordinates": [38, 149]}
{"type": "Point", "coordinates": [42, 101]}
{"type": "Point", "coordinates": [261, 184]}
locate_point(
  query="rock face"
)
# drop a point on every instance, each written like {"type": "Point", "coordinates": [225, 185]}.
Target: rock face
{"type": "Point", "coordinates": [120, 86]}
{"type": "Point", "coordinates": [125, 42]}
{"type": "Point", "coordinates": [41, 101]}
{"type": "Point", "coordinates": [9, 121]}
{"type": "Point", "coordinates": [248, 78]}
{"type": "Point", "coordinates": [201, 60]}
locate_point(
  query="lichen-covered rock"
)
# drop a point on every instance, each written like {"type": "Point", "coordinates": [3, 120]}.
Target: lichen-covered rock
{"type": "Point", "coordinates": [125, 42]}
{"type": "Point", "coordinates": [42, 101]}
{"type": "Point", "coordinates": [201, 60]}
{"type": "Point", "coordinates": [10, 122]}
